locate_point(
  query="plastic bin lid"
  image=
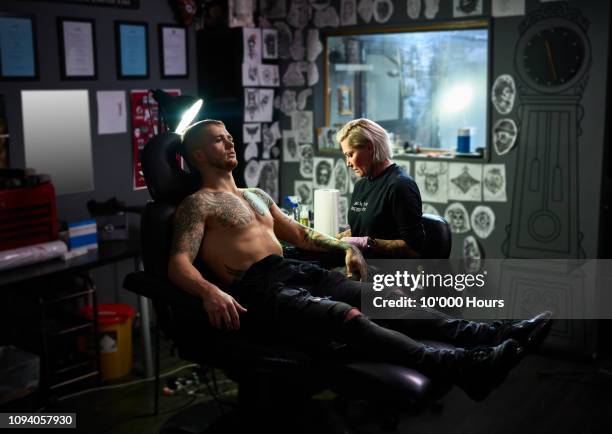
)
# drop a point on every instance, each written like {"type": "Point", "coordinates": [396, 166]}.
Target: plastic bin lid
{"type": "Point", "coordinates": [110, 313]}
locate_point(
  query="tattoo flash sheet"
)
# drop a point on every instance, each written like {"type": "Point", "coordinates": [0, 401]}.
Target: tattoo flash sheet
{"type": "Point", "coordinates": [251, 151]}
{"type": "Point", "coordinates": [303, 190]}
{"type": "Point", "coordinates": [505, 133]}
{"type": "Point", "coordinates": [270, 43]}
{"type": "Point", "coordinates": [413, 8]}
{"type": "Point", "coordinates": [323, 172]}
{"type": "Point", "coordinates": [288, 102]}
{"type": "Point", "coordinates": [252, 45]}
{"type": "Point", "coordinates": [251, 173]}
{"type": "Point", "coordinates": [465, 182]}
{"type": "Point", "coordinates": [284, 39]}
{"type": "Point", "coordinates": [250, 73]}
{"type": "Point", "coordinates": [383, 9]}
{"type": "Point", "coordinates": [483, 221]}
{"type": "Point", "coordinates": [268, 75]}
{"type": "Point", "coordinates": [343, 205]}
{"type": "Point", "coordinates": [327, 17]}
{"type": "Point", "coordinates": [503, 94]}
{"type": "Point", "coordinates": [494, 183]}
{"type": "Point", "coordinates": [306, 160]}
{"type": "Point", "coordinates": [365, 9]}
{"type": "Point", "coordinates": [472, 254]}
{"type": "Point", "coordinates": [270, 135]}
{"type": "Point", "coordinates": [251, 133]}
{"type": "Point", "coordinates": [431, 8]}
{"type": "Point", "coordinates": [467, 8]}
{"type": "Point", "coordinates": [241, 13]}
{"type": "Point", "coordinates": [290, 147]}
{"type": "Point", "coordinates": [258, 105]}
{"type": "Point", "coordinates": [432, 179]}
{"type": "Point", "coordinates": [405, 165]}
{"type": "Point", "coordinates": [348, 12]}
{"type": "Point", "coordinates": [302, 100]}
{"type": "Point", "coordinates": [458, 218]}
{"type": "Point", "coordinates": [302, 123]}
{"type": "Point", "coordinates": [268, 178]}
{"type": "Point", "coordinates": [341, 177]}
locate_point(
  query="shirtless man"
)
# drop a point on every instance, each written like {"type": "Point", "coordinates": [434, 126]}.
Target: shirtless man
{"type": "Point", "coordinates": [235, 232]}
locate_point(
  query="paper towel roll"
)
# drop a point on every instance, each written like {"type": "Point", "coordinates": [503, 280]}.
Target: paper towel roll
{"type": "Point", "coordinates": [326, 210]}
{"type": "Point", "coordinates": [31, 254]}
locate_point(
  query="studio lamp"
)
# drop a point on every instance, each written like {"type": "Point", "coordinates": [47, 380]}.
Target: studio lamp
{"type": "Point", "coordinates": [177, 111]}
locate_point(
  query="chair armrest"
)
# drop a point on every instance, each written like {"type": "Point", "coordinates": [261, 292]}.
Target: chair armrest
{"type": "Point", "coordinates": [160, 289]}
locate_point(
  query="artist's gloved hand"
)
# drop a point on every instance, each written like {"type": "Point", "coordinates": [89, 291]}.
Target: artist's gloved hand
{"type": "Point", "coordinates": [363, 243]}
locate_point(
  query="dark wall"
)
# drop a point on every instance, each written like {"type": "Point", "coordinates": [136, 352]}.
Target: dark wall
{"type": "Point", "coordinates": [569, 226]}
{"type": "Point", "coordinates": [112, 154]}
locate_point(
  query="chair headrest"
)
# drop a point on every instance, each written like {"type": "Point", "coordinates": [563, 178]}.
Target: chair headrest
{"type": "Point", "coordinates": [161, 167]}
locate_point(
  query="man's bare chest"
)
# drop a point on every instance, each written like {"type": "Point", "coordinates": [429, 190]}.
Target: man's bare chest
{"type": "Point", "coordinates": [229, 211]}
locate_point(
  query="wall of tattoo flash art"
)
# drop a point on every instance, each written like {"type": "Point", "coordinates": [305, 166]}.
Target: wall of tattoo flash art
{"type": "Point", "coordinates": [527, 199]}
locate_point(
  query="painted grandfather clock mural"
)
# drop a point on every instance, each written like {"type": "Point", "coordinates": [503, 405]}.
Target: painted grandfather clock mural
{"type": "Point", "coordinates": [552, 59]}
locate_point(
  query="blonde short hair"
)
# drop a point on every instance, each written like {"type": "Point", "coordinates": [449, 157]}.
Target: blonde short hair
{"type": "Point", "coordinates": [191, 139]}
{"type": "Point", "coordinates": [360, 132]}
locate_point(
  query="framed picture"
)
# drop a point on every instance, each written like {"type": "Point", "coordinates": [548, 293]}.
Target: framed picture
{"type": "Point", "coordinates": [173, 51]}
{"type": "Point", "coordinates": [132, 47]}
{"type": "Point", "coordinates": [18, 56]}
{"type": "Point", "coordinates": [77, 48]}
{"type": "Point", "coordinates": [345, 100]}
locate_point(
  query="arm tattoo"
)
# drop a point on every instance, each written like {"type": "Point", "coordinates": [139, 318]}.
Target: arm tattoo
{"type": "Point", "coordinates": [234, 272]}
{"type": "Point", "coordinates": [188, 226]}
{"type": "Point", "coordinates": [317, 239]}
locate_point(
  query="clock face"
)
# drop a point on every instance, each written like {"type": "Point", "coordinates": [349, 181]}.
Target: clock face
{"type": "Point", "coordinates": [553, 56]}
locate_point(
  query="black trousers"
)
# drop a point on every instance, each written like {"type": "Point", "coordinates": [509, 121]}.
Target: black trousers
{"type": "Point", "coordinates": [300, 300]}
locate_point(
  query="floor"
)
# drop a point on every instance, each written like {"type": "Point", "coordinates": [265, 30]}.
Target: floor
{"type": "Point", "coordinates": [543, 394]}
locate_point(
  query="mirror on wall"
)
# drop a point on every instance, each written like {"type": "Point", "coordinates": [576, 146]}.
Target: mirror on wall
{"type": "Point", "coordinates": [421, 84]}
{"type": "Point", "coordinates": [57, 137]}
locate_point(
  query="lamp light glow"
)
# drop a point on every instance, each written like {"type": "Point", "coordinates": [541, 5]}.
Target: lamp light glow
{"type": "Point", "coordinates": [188, 116]}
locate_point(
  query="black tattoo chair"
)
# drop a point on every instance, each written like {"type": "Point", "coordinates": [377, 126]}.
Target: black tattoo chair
{"type": "Point", "coordinates": [276, 380]}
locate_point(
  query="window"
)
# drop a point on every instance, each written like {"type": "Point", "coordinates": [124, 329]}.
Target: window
{"type": "Point", "coordinates": [422, 85]}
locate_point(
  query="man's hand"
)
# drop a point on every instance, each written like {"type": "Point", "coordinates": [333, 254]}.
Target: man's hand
{"type": "Point", "coordinates": [355, 264]}
{"type": "Point", "coordinates": [222, 309]}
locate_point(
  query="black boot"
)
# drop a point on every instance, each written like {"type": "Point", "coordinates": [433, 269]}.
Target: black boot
{"type": "Point", "coordinates": [529, 333]}
{"type": "Point", "coordinates": [482, 369]}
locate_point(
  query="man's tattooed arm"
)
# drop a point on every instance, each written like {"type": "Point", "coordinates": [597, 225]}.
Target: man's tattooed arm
{"type": "Point", "coordinates": [188, 227]}
{"type": "Point", "coordinates": [313, 240]}
{"type": "Point", "coordinates": [188, 232]}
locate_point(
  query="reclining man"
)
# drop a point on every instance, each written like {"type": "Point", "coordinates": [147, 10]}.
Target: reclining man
{"type": "Point", "coordinates": [235, 233]}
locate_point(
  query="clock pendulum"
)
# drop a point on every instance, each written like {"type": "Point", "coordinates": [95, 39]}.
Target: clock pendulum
{"type": "Point", "coordinates": [552, 59]}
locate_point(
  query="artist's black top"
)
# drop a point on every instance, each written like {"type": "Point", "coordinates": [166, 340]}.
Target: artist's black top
{"type": "Point", "coordinates": [387, 207]}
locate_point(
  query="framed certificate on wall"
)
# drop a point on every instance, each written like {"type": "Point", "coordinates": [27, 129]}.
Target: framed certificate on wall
{"type": "Point", "coordinates": [77, 48]}
{"type": "Point", "coordinates": [18, 57]}
{"type": "Point", "coordinates": [173, 51]}
{"type": "Point", "coordinates": [132, 47]}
